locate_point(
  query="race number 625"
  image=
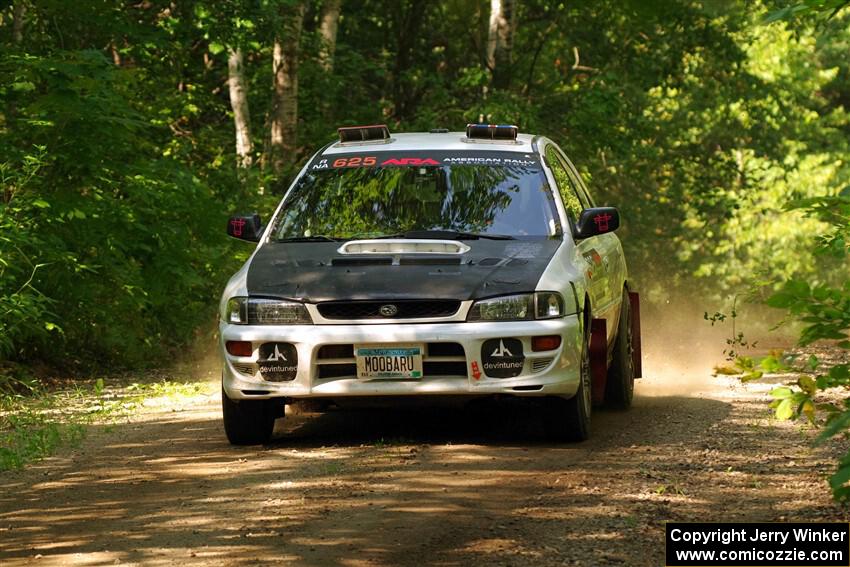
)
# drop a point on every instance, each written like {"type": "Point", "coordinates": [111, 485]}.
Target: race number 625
{"type": "Point", "coordinates": [355, 162]}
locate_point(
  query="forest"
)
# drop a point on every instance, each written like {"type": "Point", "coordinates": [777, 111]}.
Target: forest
{"type": "Point", "coordinates": [130, 131]}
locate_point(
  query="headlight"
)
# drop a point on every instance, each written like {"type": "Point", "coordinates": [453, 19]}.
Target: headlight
{"type": "Point", "coordinates": [507, 308]}
{"type": "Point", "coordinates": [524, 307]}
{"type": "Point", "coordinates": [548, 305]}
{"type": "Point", "coordinates": [248, 311]}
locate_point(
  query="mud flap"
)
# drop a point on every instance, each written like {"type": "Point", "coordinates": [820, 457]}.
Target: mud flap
{"type": "Point", "coordinates": [598, 358]}
{"type": "Point", "coordinates": [634, 304]}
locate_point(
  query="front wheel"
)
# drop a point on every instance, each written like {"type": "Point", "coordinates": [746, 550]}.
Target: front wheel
{"type": "Point", "coordinates": [620, 385]}
{"type": "Point", "coordinates": [249, 422]}
{"type": "Point", "coordinates": [569, 420]}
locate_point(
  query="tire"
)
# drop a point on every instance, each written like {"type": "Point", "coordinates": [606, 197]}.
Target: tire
{"type": "Point", "coordinates": [569, 419]}
{"type": "Point", "coordinates": [249, 422]}
{"type": "Point", "coordinates": [620, 385]}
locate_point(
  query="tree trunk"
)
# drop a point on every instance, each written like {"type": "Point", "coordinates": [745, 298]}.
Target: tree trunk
{"type": "Point", "coordinates": [18, 14]}
{"type": "Point", "coordinates": [284, 115]}
{"type": "Point", "coordinates": [327, 29]}
{"type": "Point", "coordinates": [239, 104]}
{"type": "Point", "coordinates": [500, 41]}
{"type": "Point", "coordinates": [408, 21]}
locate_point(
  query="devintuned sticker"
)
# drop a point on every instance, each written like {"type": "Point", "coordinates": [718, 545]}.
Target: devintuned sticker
{"type": "Point", "coordinates": [278, 362]}
{"type": "Point", "coordinates": [502, 358]}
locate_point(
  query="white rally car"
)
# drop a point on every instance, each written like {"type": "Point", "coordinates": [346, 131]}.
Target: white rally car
{"type": "Point", "coordinates": [442, 264]}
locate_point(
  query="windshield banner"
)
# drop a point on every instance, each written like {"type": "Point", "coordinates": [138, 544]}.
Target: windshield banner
{"type": "Point", "coordinates": [423, 159]}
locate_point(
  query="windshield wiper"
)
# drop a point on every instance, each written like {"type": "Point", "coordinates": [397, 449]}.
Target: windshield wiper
{"type": "Point", "coordinates": [316, 238]}
{"type": "Point", "coordinates": [455, 234]}
{"type": "Point", "coordinates": [373, 236]}
{"type": "Point", "coordinates": [484, 235]}
{"type": "Point", "coordinates": [435, 234]}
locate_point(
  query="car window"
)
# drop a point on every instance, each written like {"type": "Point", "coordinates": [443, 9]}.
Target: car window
{"type": "Point", "coordinates": [378, 200]}
{"type": "Point", "coordinates": [573, 200]}
{"type": "Point", "coordinates": [584, 194]}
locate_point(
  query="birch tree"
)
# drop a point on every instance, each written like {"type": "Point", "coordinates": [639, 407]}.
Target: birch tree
{"type": "Point", "coordinates": [284, 114]}
{"type": "Point", "coordinates": [328, 26]}
{"type": "Point", "coordinates": [500, 41]}
{"type": "Point", "coordinates": [239, 104]}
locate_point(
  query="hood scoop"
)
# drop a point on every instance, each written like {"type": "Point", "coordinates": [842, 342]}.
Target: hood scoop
{"type": "Point", "coordinates": [397, 261]}
{"type": "Point", "coordinates": [391, 246]}
{"type": "Point", "coordinates": [429, 261]}
{"type": "Point", "coordinates": [361, 261]}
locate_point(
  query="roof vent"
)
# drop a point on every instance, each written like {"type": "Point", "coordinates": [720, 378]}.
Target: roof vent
{"type": "Point", "coordinates": [439, 130]}
{"type": "Point", "coordinates": [491, 132]}
{"type": "Point", "coordinates": [378, 132]}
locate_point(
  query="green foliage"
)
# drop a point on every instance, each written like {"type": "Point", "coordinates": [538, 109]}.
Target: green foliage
{"type": "Point", "coordinates": [829, 7]}
{"type": "Point", "coordinates": [36, 421]}
{"type": "Point", "coordinates": [111, 249]}
{"type": "Point", "coordinates": [824, 312]}
{"type": "Point", "coordinates": [706, 128]}
{"type": "Point", "coordinates": [29, 441]}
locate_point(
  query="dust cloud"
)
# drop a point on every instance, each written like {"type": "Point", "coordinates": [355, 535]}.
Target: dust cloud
{"type": "Point", "coordinates": [681, 348]}
{"type": "Point", "coordinates": [201, 363]}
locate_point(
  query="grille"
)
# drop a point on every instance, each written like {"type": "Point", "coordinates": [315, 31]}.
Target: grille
{"type": "Point", "coordinates": [407, 309]}
{"type": "Point", "coordinates": [444, 368]}
{"type": "Point", "coordinates": [337, 370]}
{"type": "Point", "coordinates": [247, 369]}
{"type": "Point", "coordinates": [445, 349]}
{"type": "Point", "coordinates": [336, 351]}
{"type": "Point", "coordinates": [540, 364]}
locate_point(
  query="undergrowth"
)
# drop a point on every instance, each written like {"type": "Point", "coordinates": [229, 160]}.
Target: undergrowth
{"type": "Point", "coordinates": [35, 420]}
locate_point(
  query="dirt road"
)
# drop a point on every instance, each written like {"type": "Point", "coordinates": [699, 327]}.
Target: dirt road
{"type": "Point", "coordinates": [446, 487]}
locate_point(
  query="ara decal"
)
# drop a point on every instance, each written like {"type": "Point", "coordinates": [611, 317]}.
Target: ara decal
{"type": "Point", "coordinates": [410, 161]}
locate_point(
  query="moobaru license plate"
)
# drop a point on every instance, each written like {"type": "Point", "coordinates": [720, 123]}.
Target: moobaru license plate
{"type": "Point", "coordinates": [389, 362]}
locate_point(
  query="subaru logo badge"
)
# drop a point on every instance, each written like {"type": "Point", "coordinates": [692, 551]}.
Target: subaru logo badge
{"type": "Point", "coordinates": [388, 310]}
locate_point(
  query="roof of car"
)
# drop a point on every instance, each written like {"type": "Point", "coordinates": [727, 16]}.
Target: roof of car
{"type": "Point", "coordinates": [450, 141]}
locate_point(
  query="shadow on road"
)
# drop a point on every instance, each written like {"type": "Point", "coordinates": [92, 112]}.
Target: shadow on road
{"type": "Point", "coordinates": [445, 486]}
{"type": "Point", "coordinates": [503, 422]}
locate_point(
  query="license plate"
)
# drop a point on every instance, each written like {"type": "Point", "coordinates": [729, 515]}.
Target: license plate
{"type": "Point", "coordinates": [388, 362]}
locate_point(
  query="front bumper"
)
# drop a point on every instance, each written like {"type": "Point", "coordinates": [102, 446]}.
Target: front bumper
{"type": "Point", "coordinates": [554, 372]}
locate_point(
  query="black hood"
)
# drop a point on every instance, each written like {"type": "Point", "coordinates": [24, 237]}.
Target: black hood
{"type": "Point", "coordinates": [315, 272]}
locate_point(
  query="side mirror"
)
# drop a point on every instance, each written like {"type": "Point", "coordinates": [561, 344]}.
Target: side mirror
{"type": "Point", "coordinates": [245, 227]}
{"type": "Point", "coordinates": [598, 220]}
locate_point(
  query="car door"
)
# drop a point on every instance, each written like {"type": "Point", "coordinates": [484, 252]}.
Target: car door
{"type": "Point", "coordinates": [610, 247]}
{"type": "Point", "coordinates": [599, 252]}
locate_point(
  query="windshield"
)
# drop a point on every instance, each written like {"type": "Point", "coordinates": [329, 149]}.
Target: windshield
{"type": "Point", "coordinates": [382, 201]}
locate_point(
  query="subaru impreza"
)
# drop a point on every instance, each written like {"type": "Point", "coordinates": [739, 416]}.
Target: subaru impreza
{"type": "Point", "coordinates": [433, 265]}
